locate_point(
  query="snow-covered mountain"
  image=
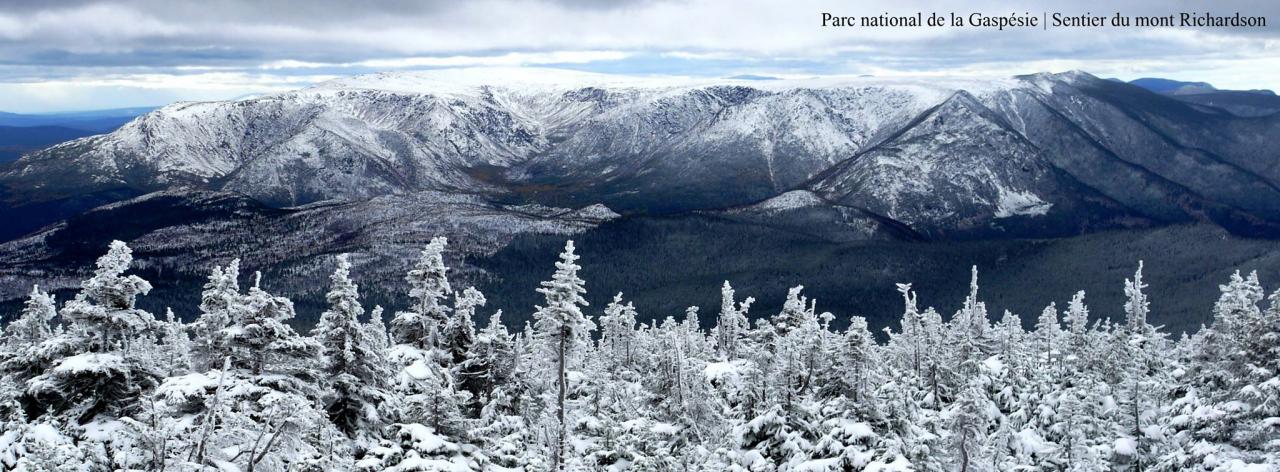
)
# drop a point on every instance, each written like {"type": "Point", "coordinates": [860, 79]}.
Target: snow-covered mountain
{"type": "Point", "coordinates": [508, 160]}
{"type": "Point", "coordinates": [1045, 154]}
{"type": "Point", "coordinates": [942, 156]}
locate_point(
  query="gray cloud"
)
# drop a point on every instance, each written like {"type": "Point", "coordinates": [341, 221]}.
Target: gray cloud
{"type": "Point", "coordinates": [275, 43]}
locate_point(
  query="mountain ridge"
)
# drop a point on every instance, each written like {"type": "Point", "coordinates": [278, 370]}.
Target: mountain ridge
{"type": "Point", "coordinates": [670, 145]}
{"type": "Point", "coordinates": [833, 165]}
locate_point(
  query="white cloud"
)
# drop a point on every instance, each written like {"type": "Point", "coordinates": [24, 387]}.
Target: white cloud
{"type": "Point", "coordinates": [508, 59]}
{"type": "Point", "coordinates": [159, 45]}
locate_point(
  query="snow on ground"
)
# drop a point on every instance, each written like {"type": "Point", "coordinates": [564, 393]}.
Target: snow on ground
{"type": "Point", "coordinates": [725, 370]}
{"type": "Point", "coordinates": [788, 201]}
{"type": "Point", "coordinates": [90, 362]}
{"type": "Point", "coordinates": [597, 212]}
{"type": "Point", "coordinates": [1014, 203]}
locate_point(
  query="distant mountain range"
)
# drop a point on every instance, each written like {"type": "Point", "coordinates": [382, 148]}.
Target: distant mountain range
{"type": "Point", "coordinates": [92, 120]}
{"type": "Point", "coordinates": [375, 165]}
{"type": "Point", "coordinates": [25, 133]}
{"type": "Point", "coordinates": [1239, 102]}
{"type": "Point", "coordinates": [18, 140]}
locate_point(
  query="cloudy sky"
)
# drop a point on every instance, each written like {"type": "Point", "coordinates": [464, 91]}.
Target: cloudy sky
{"type": "Point", "coordinates": [58, 55]}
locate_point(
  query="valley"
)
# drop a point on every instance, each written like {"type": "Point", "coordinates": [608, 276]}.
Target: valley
{"type": "Point", "coordinates": [848, 185]}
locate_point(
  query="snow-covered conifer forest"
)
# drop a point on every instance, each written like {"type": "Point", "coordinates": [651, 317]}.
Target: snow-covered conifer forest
{"type": "Point", "coordinates": [440, 383]}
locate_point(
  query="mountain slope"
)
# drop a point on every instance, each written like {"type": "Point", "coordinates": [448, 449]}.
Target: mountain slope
{"type": "Point", "coordinates": [1040, 155]}
{"type": "Point", "coordinates": [961, 169]}
{"type": "Point", "coordinates": [181, 233]}
{"type": "Point", "coordinates": [1162, 158]}
{"type": "Point", "coordinates": [1248, 103]}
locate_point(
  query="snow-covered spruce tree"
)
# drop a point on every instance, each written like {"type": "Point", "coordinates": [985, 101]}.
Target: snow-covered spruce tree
{"type": "Point", "coordinates": [614, 421]}
{"type": "Point", "coordinates": [1010, 341]}
{"type": "Point", "coordinates": [101, 365]}
{"type": "Point", "coordinates": [104, 309]}
{"type": "Point", "coordinates": [1080, 435]}
{"type": "Point", "coordinates": [1143, 378]}
{"type": "Point", "coordinates": [220, 297]}
{"type": "Point", "coordinates": [1260, 389]}
{"type": "Point", "coordinates": [422, 325]}
{"type": "Point", "coordinates": [460, 332]}
{"type": "Point", "coordinates": [1227, 412]}
{"type": "Point", "coordinates": [425, 385]}
{"type": "Point", "coordinates": [24, 353]}
{"type": "Point", "coordinates": [617, 336]}
{"type": "Point", "coordinates": [355, 370]}
{"type": "Point", "coordinates": [33, 324]}
{"type": "Point", "coordinates": [970, 330]}
{"type": "Point", "coordinates": [732, 324]}
{"type": "Point", "coordinates": [968, 427]}
{"type": "Point", "coordinates": [260, 409]}
{"type": "Point", "coordinates": [1049, 337]}
{"type": "Point", "coordinates": [460, 340]}
{"type": "Point", "coordinates": [937, 360]}
{"type": "Point", "coordinates": [562, 332]}
{"type": "Point", "coordinates": [460, 336]}
{"type": "Point", "coordinates": [909, 341]}
{"type": "Point", "coordinates": [852, 372]}
{"type": "Point", "coordinates": [1077, 336]}
{"type": "Point", "coordinates": [377, 329]}
{"type": "Point", "coordinates": [680, 387]}
{"type": "Point", "coordinates": [262, 343]}
{"type": "Point", "coordinates": [502, 428]}
{"type": "Point", "coordinates": [797, 346]}
{"type": "Point", "coordinates": [489, 363]}
{"type": "Point", "coordinates": [173, 354]}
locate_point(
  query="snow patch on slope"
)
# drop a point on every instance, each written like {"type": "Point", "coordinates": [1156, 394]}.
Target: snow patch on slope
{"type": "Point", "coordinates": [598, 212]}
{"type": "Point", "coordinates": [792, 200]}
{"type": "Point", "coordinates": [1015, 203]}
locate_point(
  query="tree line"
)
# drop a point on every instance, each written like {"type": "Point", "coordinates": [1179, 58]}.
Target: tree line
{"type": "Point", "coordinates": [96, 383]}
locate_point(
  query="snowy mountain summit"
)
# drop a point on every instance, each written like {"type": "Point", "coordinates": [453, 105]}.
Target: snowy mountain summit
{"type": "Point", "coordinates": [1037, 155]}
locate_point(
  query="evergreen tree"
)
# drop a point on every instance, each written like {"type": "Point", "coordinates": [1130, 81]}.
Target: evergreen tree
{"type": "Point", "coordinates": [355, 370]}
{"type": "Point", "coordinates": [175, 345]}
{"type": "Point", "coordinates": [1142, 372]}
{"type": "Point", "coordinates": [422, 325]}
{"type": "Point", "coordinates": [617, 335]}
{"type": "Point", "coordinates": [377, 329]}
{"type": "Point", "coordinates": [563, 330]}
{"type": "Point", "coordinates": [104, 309]}
{"type": "Point", "coordinates": [732, 324]}
{"type": "Point", "coordinates": [461, 330]}
{"type": "Point", "coordinates": [100, 366]}
{"type": "Point", "coordinates": [969, 429]}
{"type": "Point", "coordinates": [489, 363]}
{"type": "Point", "coordinates": [33, 324]}
{"type": "Point", "coordinates": [262, 344]}
{"type": "Point", "coordinates": [1077, 319]}
{"type": "Point", "coordinates": [1049, 334]}
{"type": "Point", "coordinates": [221, 296]}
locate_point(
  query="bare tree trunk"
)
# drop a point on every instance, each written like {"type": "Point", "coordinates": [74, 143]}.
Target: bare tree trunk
{"type": "Point", "coordinates": [197, 453]}
{"type": "Point", "coordinates": [1137, 425]}
{"type": "Point", "coordinates": [562, 385]}
{"type": "Point", "coordinates": [933, 375]}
